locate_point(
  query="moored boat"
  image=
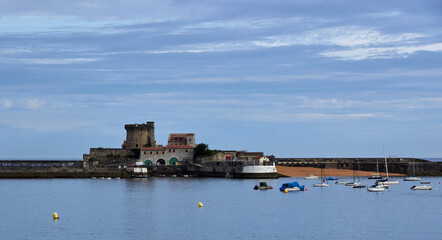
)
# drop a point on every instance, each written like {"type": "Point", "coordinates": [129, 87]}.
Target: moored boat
{"type": "Point", "coordinates": [422, 187]}
{"type": "Point", "coordinates": [311, 177]}
{"type": "Point", "coordinates": [342, 182]}
{"type": "Point", "coordinates": [323, 180]}
{"type": "Point", "coordinates": [358, 185]}
{"type": "Point", "coordinates": [291, 187]}
{"type": "Point", "coordinates": [375, 188]}
{"type": "Point", "coordinates": [412, 178]}
{"type": "Point", "coordinates": [262, 186]}
{"type": "Point", "coordinates": [321, 185]}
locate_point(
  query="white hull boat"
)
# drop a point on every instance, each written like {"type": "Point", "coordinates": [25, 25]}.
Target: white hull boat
{"type": "Point", "coordinates": [389, 182]}
{"type": "Point", "coordinates": [293, 189]}
{"type": "Point", "coordinates": [412, 179]}
{"type": "Point", "coordinates": [381, 184]}
{"type": "Point", "coordinates": [375, 189]}
{"type": "Point", "coordinates": [358, 185]}
{"type": "Point", "coordinates": [422, 187]}
{"type": "Point", "coordinates": [350, 184]}
{"type": "Point", "coordinates": [311, 177]}
{"type": "Point", "coordinates": [321, 185]}
{"type": "Point", "coordinates": [342, 182]}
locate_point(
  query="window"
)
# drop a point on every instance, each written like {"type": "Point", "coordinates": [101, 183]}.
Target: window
{"type": "Point", "coordinates": [169, 150]}
{"type": "Point", "coordinates": [150, 153]}
{"type": "Point", "coordinates": [187, 150]}
{"type": "Point", "coordinates": [144, 152]}
{"type": "Point", "coordinates": [174, 150]}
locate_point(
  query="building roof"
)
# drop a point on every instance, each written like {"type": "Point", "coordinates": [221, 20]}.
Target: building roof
{"type": "Point", "coordinates": [178, 135]}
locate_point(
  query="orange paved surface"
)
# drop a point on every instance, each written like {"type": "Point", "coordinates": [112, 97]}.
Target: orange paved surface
{"type": "Point", "coordinates": [306, 171]}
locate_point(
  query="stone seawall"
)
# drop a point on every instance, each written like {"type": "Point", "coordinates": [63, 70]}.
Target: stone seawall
{"type": "Point", "coordinates": [395, 165]}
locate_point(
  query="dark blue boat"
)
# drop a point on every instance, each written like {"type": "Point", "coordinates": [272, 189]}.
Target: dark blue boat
{"type": "Point", "coordinates": [332, 178]}
{"type": "Point", "coordinates": [294, 186]}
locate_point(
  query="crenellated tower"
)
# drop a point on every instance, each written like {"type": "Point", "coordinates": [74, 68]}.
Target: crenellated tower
{"type": "Point", "coordinates": [140, 135]}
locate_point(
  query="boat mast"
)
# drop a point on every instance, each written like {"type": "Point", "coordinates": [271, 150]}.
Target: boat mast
{"type": "Point", "coordinates": [385, 157]}
{"type": "Point", "coordinates": [377, 167]}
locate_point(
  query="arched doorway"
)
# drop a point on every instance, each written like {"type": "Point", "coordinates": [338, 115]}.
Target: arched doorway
{"type": "Point", "coordinates": [173, 161]}
{"type": "Point", "coordinates": [148, 162]}
{"type": "Point", "coordinates": [161, 162]}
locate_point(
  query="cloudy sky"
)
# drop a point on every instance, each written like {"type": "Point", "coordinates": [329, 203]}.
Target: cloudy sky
{"type": "Point", "coordinates": [290, 78]}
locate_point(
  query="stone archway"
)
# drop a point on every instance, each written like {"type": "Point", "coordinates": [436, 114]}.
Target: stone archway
{"type": "Point", "coordinates": [173, 161]}
{"type": "Point", "coordinates": [161, 162]}
{"type": "Point", "coordinates": [148, 162]}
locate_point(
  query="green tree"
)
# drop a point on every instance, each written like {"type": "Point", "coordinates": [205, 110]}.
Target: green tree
{"type": "Point", "coordinates": [201, 149]}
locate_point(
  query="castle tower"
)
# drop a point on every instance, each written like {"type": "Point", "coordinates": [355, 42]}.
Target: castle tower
{"type": "Point", "coordinates": [140, 135]}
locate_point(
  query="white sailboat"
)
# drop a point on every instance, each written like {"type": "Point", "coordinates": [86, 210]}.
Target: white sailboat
{"type": "Point", "coordinates": [387, 181]}
{"type": "Point", "coordinates": [376, 176]}
{"type": "Point", "coordinates": [413, 177]}
{"type": "Point", "coordinates": [359, 184]}
{"type": "Point", "coordinates": [376, 188]}
{"type": "Point", "coordinates": [323, 180]}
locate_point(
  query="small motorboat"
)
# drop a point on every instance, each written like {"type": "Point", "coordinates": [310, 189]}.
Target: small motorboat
{"type": "Point", "coordinates": [262, 186]}
{"type": "Point", "coordinates": [425, 182]}
{"type": "Point", "coordinates": [422, 187]}
{"type": "Point", "coordinates": [311, 177]}
{"type": "Point", "coordinates": [290, 187]}
{"type": "Point", "coordinates": [332, 178]}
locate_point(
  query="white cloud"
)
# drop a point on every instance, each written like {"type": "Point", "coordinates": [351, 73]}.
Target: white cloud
{"type": "Point", "coordinates": [388, 14]}
{"type": "Point", "coordinates": [51, 61]}
{"type": "Point", "coordinates": [348, 36]}
{"type": "Point", "coordinates": [5, 103]}
{"type": "Point", "coordinates": [381, 52]}
{"type": "Point", "coordinates": [33, 104]}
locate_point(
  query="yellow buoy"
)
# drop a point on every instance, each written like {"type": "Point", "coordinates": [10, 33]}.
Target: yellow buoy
{"type": "Point", "coordinates": [55, 215]}
{"type": "Point", "coordinates": [285, 190]}
{"type": "Point", "coordinates": [200, 204]}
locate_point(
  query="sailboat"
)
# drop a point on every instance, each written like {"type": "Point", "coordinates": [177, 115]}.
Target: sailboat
{"type": "Point", "coordinates": [375, 188]}
{"type": "Point", "coordinates": [323, 180]}
{"type": "Point", "coordinates": [386, 181]}
{"type": "Point", "coordinates": [359, 184]}
{"type": "Point", "coordinates": [354, 178]}
{"type": "Point", "coordinates": [413, 177]}
{"type": "Point", "coordinates": [376, 176]}
{"type": "Point", "coordinates": [355, 184]}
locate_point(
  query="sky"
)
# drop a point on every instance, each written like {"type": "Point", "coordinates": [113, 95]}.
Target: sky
{"type": "Point", "coordinates": [288, 78]}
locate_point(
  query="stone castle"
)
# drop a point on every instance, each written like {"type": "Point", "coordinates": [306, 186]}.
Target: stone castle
{"type": "Point", "coordinates": [140, 146]}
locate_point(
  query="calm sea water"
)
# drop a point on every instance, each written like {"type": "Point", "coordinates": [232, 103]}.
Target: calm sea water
{"type": "Point", "coordinates": [167, 208]}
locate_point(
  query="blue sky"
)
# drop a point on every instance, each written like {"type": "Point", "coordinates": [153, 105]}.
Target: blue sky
{"type": "Point", "coordinates": [290, 78]}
